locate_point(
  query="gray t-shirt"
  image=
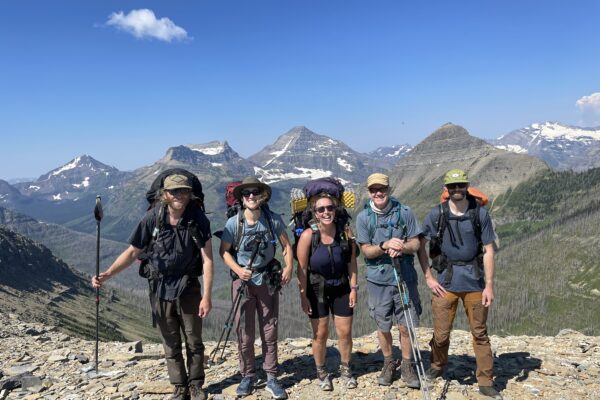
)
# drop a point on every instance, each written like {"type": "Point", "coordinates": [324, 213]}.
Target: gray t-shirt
{"type": "Point", "coordinates": [372, 228]}
{"type": "Point", "coordinates": [463, 249]}
{"type": "Point", "coordinates": [260, 232]}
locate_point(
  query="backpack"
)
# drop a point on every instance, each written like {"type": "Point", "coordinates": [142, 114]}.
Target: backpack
{"type": "Point", "coordinates": [481, 198]}
{"type": "Point", "coordinates": [303, 218]}
{"type": "Point", "coordinates": [235, 208]}
{"type": "Point", "coordinates": [191, 224]}
{"type": "Point", "coordinates": [439, 260]}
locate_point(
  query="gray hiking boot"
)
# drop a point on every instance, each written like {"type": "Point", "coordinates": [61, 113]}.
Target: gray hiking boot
{"type": "Point", "coordinates": [347, 376]}
{"type": "Point", "coordinates": [489, 391]}
{"type": "Point", "coordinates": [409, 375]}
{"type": "Point", "coordinates": [180, 393]}
{"type": "Point", "coordinates": [325, 382]}
{"type": "Point", "coordinates": [433, 373]}
{"type": "Point", "coordinates": [387, 373]}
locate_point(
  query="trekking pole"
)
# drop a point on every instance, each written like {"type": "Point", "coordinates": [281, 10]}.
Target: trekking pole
{"type": "Point", "coordinates": [98, 214]}
{"type": "Point", "coordinates": [412, 334]}
{"type": "Point", "coordinates": [234, 307]}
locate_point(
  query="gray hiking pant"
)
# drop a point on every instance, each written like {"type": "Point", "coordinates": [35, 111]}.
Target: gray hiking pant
{"type": "Point", "coordinates": [256, 300]}
{"type": "Point", "coordinates": [174, 317]}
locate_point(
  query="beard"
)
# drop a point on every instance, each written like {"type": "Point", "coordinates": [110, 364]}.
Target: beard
{"type": "Point", "coordinates": [458, 195]}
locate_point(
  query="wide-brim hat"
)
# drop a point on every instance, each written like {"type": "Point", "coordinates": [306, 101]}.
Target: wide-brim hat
{"type": "Point", "coordinates": [251, 181]}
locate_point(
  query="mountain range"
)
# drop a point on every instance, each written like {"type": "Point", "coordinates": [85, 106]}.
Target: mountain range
{"type": "Point", "coordinates": [562, 146]}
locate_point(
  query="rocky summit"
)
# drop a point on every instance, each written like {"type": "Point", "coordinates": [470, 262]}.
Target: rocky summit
{"type": "Point", "coordinates": [38, 362]}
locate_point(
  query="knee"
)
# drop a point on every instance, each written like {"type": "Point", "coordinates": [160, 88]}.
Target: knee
{"type": "Point", "coordinates": [440, 339]}
{"type": "Point", "coordinates": [320, 336]}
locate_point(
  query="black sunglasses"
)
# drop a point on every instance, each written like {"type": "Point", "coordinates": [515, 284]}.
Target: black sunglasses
{"type": "Point", "coordinates": [456, 186]}
{"type": "Point", "coordinates": [322, 209]}
{"type": "Point", "coordinates": [175, 192]}
{"type": "Point", "coordinates": [382, 189]}
{"type": "Point", "coordinates": [247, 192]}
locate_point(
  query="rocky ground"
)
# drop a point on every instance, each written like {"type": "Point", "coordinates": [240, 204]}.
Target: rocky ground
{"type": "Point", "coordinates": [38, 362]}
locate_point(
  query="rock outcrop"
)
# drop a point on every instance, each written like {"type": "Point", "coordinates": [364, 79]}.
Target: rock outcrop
{"type": "Point", "coordinates": [38, 362]}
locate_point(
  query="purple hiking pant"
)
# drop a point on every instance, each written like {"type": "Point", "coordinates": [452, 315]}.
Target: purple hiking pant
{"type": "Point", "coordinates": [256, 300]}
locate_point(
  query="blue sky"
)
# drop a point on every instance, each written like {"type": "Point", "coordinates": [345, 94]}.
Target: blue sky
{"type": "Point", "coordinates": [87, 77]}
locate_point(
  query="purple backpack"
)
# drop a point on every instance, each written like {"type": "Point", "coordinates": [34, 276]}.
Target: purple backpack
{"type": "Point", "coordinates": [328, 185]}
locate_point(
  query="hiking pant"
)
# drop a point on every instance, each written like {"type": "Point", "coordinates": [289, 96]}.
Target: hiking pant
{"type": "Point", "coordinates": [256, 300]}
{"type": "Point", "coordinates": [444, 311]}
{"type": "Point", "coordinates": [177, 316]}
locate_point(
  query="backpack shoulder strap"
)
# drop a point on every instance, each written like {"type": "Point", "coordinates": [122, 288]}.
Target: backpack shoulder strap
{"type": "Point", "coordinates": [239, 232]}
{"type": "Point", "coordinates": [474, 214]}
{"type": "Point", "coordinates": [269, 218]}
{"type": "Point", "coordinates": [444, 212]}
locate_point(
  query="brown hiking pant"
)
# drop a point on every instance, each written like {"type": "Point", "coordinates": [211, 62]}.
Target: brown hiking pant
{"type": "Point", "coordinates": [178, 316]}
{"type": "Point", "coordinates": [256, 301]}
{"type": "Point", "coordinates": [444, 311]}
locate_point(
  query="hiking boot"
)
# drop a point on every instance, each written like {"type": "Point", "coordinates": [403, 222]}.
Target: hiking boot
{"type": "Point", "coordinates": [433, 373]}
{"type": "Point", "coordinates": [347, 376]}
{"type": "Point", "coordinates": [196, 392]}
{"type": "Point", "coordinates": [489, 391]}
{"type": "Point", "coordinates": [275, 388]}
{"type": "Point", "coordinates": [245, 387]}
{"type": "Point", "coordinates": [325, 382]}
{"type": "Point", "coordinates": [387, 373]}
{"type": "Point", "coordinates": [409, 375]}
{"type": "Point", "coordinates": [180, 393]}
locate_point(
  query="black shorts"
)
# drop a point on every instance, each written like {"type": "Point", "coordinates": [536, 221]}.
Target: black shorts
{"type": "Point", "coordinates": [337, 300]}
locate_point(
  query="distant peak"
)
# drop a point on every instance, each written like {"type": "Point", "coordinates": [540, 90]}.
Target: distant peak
{"type": "Point", "coordinates": [300, 130]}
{"type": "Point", "coordinates": [211, 148]}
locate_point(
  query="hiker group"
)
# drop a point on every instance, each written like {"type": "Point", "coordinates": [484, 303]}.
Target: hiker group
{"type": "Point", "coordinates": [173, 242]}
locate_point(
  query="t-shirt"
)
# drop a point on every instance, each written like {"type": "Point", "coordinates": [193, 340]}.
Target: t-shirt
{"type": "Point", "coordinates": [463, 249]}
{"type": "Point", "coordinates": [258, 233]}
{"type": "Point", "coordinates": [174, 249]}
{"type": "Point", "coordinates": [380, 270]}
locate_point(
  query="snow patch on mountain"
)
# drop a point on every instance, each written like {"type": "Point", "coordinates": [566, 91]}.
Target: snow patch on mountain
{"type": "Point", "coordinates": [277, 175]}
{"type": "Point", "coordinates": [344, 164]}
{"type": "Point", "coordinates": [515, 148]}
{"type": "Point", "coordinates": [278, 153]}
{"type": "Point", "coordinates": [66, 167]}
{"type": "Point", "coordinates": [211, 149]}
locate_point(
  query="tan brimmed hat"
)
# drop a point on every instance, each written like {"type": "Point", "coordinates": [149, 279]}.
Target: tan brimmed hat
{"type": "Point", "coordinates": [251, 181]}
{"type": "Point", "coordinates": [177, 182]}
{"type": "Point", "coordinates": [378, 179]}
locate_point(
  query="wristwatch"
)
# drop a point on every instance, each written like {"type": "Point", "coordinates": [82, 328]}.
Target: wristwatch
{"type": "Point", "coordinates": [381, 246]}
{"type": "Point", "coordinates": [354, 287]}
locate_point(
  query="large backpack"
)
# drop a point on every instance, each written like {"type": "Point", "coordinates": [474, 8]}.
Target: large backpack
{"type": "Point", "coordinates": [303, 218]}
{"type": "Point", "coordinates": [190, 222]}
{"type": "Point", "coordinates": [439, 260]}
{"type": "Point", "coordinates": [235, 208]}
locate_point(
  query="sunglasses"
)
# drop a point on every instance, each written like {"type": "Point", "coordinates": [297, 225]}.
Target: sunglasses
{"type": "Point", "coordinates": [456, 186]}
{"type": "Point", "coordinates": [175, 192]}
{"type": "Point", "coordinates": [322, 209]}
{"type": "Point", "coordinates": [247, 192]}
{"type": "Point", "coordinates": [381, 189]}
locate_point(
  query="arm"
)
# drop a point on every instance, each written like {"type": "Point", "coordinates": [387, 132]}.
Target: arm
{"type": "Point", "coordinates": [488, 267]}
{"type": "Point", "coordinates": [353, 274]}
{"type": "Point", "coordinates": [432, 283]}
{"type": "Point", "coordinates": [302, 251]}
{"type": "Point", "coordinates": [207, 279]}
{"type": "Point", "coordinates": [125, 259]}
{"type": "Point", "coordinates": [288, 258]}
{"type": "Point", "coordinates": [243, 273]}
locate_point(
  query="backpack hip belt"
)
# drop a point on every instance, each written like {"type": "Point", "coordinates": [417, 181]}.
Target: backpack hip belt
{"type": "Point", "coordinates": [441, 263]}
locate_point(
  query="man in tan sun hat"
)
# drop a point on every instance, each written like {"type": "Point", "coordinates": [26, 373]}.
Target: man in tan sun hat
{"type": "Point", "coordinates": [387, 229]}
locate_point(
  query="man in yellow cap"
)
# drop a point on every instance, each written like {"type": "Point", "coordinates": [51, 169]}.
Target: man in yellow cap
{"type": "Point", "coordinates": [387, 229]}
{"type": "Point", "coordinates": [462, 249]}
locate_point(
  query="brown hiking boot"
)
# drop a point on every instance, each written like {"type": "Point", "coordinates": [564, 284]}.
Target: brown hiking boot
{"type": "Point", "coordinates": [387, 373]}
{"type": "Point", "coordinates": [180, 393]}
{"type": "Point", "coordinates": [408, 374]}
{"type": "Point", "coordinates": [196, 392]}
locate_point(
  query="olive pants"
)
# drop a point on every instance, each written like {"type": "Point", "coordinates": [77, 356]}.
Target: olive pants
{"type": "Point", "coordinates": [444, 311]}
{"type": "Point", "coordinates": [176, 317]}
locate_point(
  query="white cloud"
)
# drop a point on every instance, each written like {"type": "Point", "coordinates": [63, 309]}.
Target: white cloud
{"type": "Point", "coordinates": [142, 23]}
{"type": "Point", "coordinates": [590, 108]}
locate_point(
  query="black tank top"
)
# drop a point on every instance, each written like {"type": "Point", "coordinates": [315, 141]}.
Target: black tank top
{"type": "Point", "coordinates": [328, 261]}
